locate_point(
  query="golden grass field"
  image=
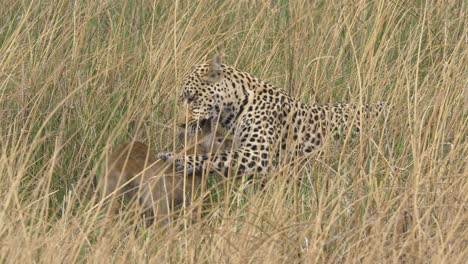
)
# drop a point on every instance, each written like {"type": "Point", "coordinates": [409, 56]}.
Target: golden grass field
{"type": "Point", "coordinates": [78, 77]}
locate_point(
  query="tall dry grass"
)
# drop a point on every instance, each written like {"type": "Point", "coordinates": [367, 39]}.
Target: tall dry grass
{"type": "Point", "coordinates": [77, 77]}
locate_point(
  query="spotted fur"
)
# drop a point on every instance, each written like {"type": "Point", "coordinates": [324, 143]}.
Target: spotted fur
{"type": "Point", "coordinates": [266, 122]}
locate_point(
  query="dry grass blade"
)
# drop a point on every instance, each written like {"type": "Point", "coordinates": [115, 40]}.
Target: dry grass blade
{"type": "Point", "coordinates": [77, 77]}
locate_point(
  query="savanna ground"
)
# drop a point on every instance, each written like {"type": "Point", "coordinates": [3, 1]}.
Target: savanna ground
{"type": "Point", "coordinates": [77, 77]}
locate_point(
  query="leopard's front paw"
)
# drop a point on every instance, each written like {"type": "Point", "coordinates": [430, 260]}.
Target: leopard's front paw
{"type": "Point", "coordinates": [179, 166]}
{"type": "Point", "coordinates": [166, 156]}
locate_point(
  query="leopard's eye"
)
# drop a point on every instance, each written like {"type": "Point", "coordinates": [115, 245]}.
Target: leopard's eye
{"type": "Point", "coordinates": [190, 99]}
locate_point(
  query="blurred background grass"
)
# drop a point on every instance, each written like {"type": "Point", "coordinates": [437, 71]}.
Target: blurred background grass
{"type": "Point", "coordinates": [77, 77]}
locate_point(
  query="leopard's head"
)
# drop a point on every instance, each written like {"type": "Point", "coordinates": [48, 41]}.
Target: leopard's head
{"type": "Point", "coordinates": [203, 94]}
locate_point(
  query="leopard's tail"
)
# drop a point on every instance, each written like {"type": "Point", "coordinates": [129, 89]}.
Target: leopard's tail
{"type": "Point", "coordinates": [345, 116]}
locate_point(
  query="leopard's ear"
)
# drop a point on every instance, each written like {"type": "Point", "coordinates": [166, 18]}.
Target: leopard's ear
{"type": "Point", "coordinates": [215, 70]}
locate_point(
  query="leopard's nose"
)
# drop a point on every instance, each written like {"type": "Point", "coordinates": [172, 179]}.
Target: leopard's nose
{"type": "Point", "coordinates": [181, 125]}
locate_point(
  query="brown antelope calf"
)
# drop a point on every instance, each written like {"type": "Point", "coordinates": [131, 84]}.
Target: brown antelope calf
{"type": "Point", "coordinates": [133, 171]}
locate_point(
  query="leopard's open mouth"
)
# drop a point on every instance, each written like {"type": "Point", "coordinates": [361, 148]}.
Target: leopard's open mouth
{"type": "Point", "coordinates": [191, 130]}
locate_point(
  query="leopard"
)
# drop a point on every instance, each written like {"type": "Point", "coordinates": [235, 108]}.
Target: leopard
{"type": "Point", "coordinates": [267, 124]}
